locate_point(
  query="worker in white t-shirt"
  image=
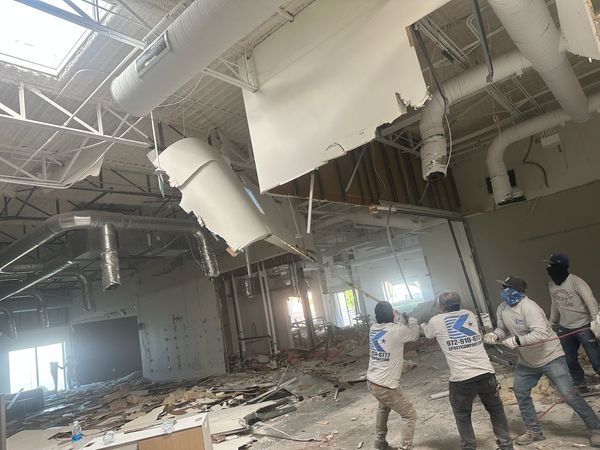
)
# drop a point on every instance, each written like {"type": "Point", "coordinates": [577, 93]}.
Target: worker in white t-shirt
{"type": "Point", "coordinates": [573, 309]}
{"type": "Point", "coordinates": [386, 349]}
{"type": "Point", "coordinates": [471, 373]}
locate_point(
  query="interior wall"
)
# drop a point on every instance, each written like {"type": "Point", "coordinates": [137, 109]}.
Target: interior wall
{"type": "Point", "coordinates": [178, 317]}
{"type": "Point", "coordinates": [516, 239]}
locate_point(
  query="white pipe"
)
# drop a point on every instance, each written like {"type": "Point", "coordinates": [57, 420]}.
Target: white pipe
{"type": "Point", "coordinates": [204, 31]}
{"type": "Point", "coordinates": [434, 151]}
{"type": "Point", "coordinates": [495, 156]}
{"type": "Point", "coordinates": [531, 27]}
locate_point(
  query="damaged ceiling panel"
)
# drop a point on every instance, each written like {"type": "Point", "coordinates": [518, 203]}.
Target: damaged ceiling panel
{"type": "Point", "coordinates": [328, 80]}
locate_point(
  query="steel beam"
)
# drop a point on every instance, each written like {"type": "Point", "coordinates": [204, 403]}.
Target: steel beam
{"type": "Point", "coordinates": [74, 131]}
{"type": "Point", "coordinates": [85, 22]}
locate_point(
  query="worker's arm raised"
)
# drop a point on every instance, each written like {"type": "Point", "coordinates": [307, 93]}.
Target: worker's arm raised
{"type": "Point", "coordinates": [409, 331]}
{"type": "Point", "coordinates": [428, 330]}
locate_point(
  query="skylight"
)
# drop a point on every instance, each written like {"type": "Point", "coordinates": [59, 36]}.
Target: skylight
{"type": "Point", "coordinates": [35, 40]}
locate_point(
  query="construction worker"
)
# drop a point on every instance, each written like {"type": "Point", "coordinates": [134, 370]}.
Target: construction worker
{"type": "Point", "coordinates": [386, 348]}
{"type": "Point", "coordinates": [471, 372]}
{"type": "Point", "coordinates": [523, 326]}
{"type": "Point", "coordinates": [573, 309]}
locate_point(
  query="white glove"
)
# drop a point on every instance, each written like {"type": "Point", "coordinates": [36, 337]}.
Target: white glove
{"type": "Point", "coordinates": [511, 342]}
{"type": "Point", "coordinates": [595, 326]}
{"type": "Point", "coordinates": [491, 339]}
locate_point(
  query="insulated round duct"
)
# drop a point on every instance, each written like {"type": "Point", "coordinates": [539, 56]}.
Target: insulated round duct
{"type": "Point", "coordinates": [109, 258]}
{"type": "Point", "coordinates": [205, 30]}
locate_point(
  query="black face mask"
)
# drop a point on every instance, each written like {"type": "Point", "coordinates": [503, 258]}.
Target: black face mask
{"type": "Point", "coordinates": [558, 273]}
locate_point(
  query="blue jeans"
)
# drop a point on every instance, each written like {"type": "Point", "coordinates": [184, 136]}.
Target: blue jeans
{"type": "Point", "coordinates": [571, 344]}
{"type": "Point", "coordinates": [557, 372]}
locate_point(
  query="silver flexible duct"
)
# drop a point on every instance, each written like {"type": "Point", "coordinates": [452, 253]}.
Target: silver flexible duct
{"type": "Point", "coordinates": [86, 220]}
{"type": "Point", "coordinates": [53, 268]}
{"type": "Point", "coordinates": [42, 309]}
{"type": "Point", "coordinates": [109, 258]}
{"type": "Point", "coordinates": [207, 253]}
{"type": "Point", "coordinates": [87, 293]}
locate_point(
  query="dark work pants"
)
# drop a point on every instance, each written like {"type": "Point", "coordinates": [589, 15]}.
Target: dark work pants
{"type": "Point", "coordinates": [462, 395]}
{"type": "Point", "coordinates": [571, 345]}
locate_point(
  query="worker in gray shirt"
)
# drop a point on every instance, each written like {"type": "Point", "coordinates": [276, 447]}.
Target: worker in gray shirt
{"type": "Point", "coordinates": [573, 309]}
{"type": "Point", "coordinates": [523, 326]}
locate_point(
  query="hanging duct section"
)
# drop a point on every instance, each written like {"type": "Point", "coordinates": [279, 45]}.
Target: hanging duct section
{"type": "Point", "coordinates": [205, 30]}
{"type": "Point", "coordinates": [109, 258]}
{"type": "Point", "coordinates": [212, 191]}
{"type": "Point", "coordinates": [495, 157]}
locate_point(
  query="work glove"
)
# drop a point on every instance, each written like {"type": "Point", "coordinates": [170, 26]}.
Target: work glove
{"type": "Point", "coordinates": [595, 326]}
{"type": "Point", "coordinates": [491, 339]}
{"type": "Point", "coordinates": [511, 342]}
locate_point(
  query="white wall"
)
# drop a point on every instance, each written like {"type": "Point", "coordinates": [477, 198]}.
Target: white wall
{"type": "Point", "coordinates": [514, 239]}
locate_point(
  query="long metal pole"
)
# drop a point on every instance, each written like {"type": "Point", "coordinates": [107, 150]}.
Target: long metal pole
{"type": "Point", "coordinates": [266, 308]}
{"type": "Point", "coordinates": [238, 317]}
{"type": "Point", "coordinates": [464, 268]}
{"type": "Point", "coordinates": [270, 307]}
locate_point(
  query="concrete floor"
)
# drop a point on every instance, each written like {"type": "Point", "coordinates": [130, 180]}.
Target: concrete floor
{"type": "Point", "coordinates": [344, 423]}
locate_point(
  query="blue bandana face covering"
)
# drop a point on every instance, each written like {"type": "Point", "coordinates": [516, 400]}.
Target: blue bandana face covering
{"type": "Point", "coordinates": [511, 296]}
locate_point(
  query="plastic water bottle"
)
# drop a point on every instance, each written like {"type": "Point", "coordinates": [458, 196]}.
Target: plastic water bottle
{"type": "Point", "coordinates": [76, 435]}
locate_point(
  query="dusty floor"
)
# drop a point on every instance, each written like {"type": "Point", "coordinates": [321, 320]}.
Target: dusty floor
{"type": "Point", "coordinates": [349, 420]}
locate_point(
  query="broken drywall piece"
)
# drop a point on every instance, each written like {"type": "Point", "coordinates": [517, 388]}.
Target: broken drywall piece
{"type": "Point", "coordinates": [34, 439]}
{"type": "Point", "coordinates": [233, 444]}
{"type": "Point", "coordinates": [328, 80]}
{"type": "Point", "coordinates": [231, 420]}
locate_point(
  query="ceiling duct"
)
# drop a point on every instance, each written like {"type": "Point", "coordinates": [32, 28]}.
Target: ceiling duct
{"type": "Point", "coordinates": [200, 172]}
{"type": "Point", "coordinates": [531, 27]}
{"type": "Point", "coordinates": [434, 152]}
{"type": "Point", "coordinates": [204, 31]}
{"type": "Point", "coordinates": [109, 258]}
{"type": "Point", "coordinates": [87, 293]}
{"type": "Point", "coordinates": [495, 157]}
{"type": "Point", "coordinates": [89, 220]}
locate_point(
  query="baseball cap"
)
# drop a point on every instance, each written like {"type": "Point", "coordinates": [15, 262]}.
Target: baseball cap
{"type": "Point", "coordinates": [514, 282]}
{"type": "Point", "coordinates": [558, 259]}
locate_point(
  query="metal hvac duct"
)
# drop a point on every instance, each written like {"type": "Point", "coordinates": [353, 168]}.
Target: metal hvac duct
{"type": "Point", "coordinates": [199, 171]}
{"type": "Point", "coordinates": [205, 30]}
{"type": "Point", "coordinates": [87, 293]}
{"type": "Point", "coordinates": [434, 152]}
{"type": "Point", "coordinates": [53, 268]}
{"type": "Point", "coordinates": [86, 220]}
{"type": "Point", "coordinates": [495, 156]}
{"type": "Point", "coordinates": [109, 258]}
{"type": "Point", "coordinates": [531, 27]}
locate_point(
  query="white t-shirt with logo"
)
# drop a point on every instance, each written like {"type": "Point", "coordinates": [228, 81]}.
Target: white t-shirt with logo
{"type": "Point", "coordinates": [573, 303]}
{"type": "Point", "coordinates": [459, 338]}
{"type": "Point", "coordinates": [386, 350]}
{"type": "Point", "coordinates": [539, 344]}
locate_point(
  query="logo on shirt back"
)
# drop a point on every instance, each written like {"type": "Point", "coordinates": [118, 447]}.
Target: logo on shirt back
{"type": "Point", "coordinates": [376, 338]}
{"type": "Point", "coordinates": [456, 328]}
{"type": "Point", "coordinates": [461, 337]}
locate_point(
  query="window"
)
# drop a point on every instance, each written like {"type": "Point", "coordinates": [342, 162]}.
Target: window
{"type": "Point", "coordinates": [347, 306]}
{"type": "Point", "coordinates": [295, 308]}
{"type": "Point", "coordinates": [397, 293]}
{"type": "Point", "coordinates": [30, 368]}
{"type": "Point", "coordinates": [35, 40]}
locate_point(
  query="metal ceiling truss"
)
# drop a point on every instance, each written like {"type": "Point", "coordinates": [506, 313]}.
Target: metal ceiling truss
{"type": "Point", "coordinates": [93, 136]}
{"type": "Point", "coordinates": [238, 73]}
{"type": "Point", "coordinates": [81, 18]}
